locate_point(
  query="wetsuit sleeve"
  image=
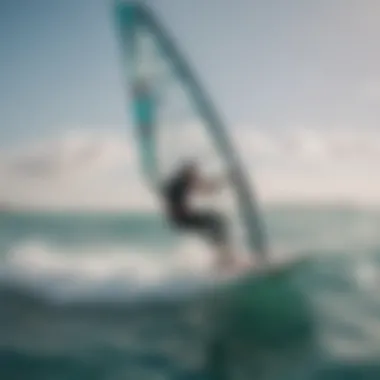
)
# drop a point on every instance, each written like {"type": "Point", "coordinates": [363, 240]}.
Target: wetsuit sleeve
{"type": "Point", "coordinates": [175, 187]}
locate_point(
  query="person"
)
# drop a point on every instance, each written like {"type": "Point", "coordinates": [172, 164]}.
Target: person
{"type": "Point", "coordinates": [208, 224]}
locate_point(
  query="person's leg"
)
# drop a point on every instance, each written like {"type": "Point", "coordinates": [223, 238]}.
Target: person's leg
{"type": "Point", "coordinates": [213, 226]}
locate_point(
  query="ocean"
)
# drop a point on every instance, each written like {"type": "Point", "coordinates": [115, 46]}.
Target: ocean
{"type": "Point", "coordinates": [121, 296]}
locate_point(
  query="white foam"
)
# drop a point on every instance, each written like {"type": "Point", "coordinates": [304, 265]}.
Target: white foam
{"type": "Point", "coordinates": [94, 272]}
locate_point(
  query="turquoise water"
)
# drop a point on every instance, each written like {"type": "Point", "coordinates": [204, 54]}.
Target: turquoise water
{"type": "Point", "coordinates": [122, 297]}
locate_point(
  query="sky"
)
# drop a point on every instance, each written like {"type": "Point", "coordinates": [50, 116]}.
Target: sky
{"type": "Point", "coordinates": [301, 71]}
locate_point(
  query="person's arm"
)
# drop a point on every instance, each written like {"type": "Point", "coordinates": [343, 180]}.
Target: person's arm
{"type": "Point", "coordinates": [209, 185]}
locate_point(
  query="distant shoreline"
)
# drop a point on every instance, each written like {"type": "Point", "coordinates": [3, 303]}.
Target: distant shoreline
{"type": "Point", "coordinates": [265, 207]}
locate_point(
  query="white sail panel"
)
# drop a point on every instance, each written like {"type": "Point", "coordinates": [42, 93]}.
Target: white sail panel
{"type": "Point", "coordinates": [176, 121]}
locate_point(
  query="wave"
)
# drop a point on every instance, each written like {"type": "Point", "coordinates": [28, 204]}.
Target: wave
{"type": "Point", "coordinates": [71, 300]}
{"type": "Point", "coordinates": [111, 269]}
{"type": "Point", "coordinates": [106, 272]}
{"type": "Point", "coordinates": [210, 333]}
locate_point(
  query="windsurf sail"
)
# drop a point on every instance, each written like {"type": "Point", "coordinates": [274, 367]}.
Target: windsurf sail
{"type": "Point", "coordinates": [175, 119]}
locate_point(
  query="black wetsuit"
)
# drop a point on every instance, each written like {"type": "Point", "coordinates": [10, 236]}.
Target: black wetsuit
{"type": "Point", "coordinates": [176, 194]}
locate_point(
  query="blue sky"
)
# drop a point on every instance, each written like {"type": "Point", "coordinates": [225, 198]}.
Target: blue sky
{"type": "Point", "coordinates": [302, 75]}
{"type": "Point", "coordinates": [60, 66]}
{"type": "Point", "coordinates": [266, 62]}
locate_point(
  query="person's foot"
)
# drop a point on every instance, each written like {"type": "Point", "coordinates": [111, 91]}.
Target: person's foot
{"type": "Point", "coordinates": [233, 267]}
{"type": "Point", "coordinates": [226, 266]}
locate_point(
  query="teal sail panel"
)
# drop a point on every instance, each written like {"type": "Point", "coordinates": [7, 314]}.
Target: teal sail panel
{"type": "Point", "coordinates": [174, 117]}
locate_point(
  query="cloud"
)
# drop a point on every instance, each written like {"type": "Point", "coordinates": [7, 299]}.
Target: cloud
{"type": "Point", "coordinates": [100, 170]}
{"type": "Point", "coordinates": [81, 169]}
